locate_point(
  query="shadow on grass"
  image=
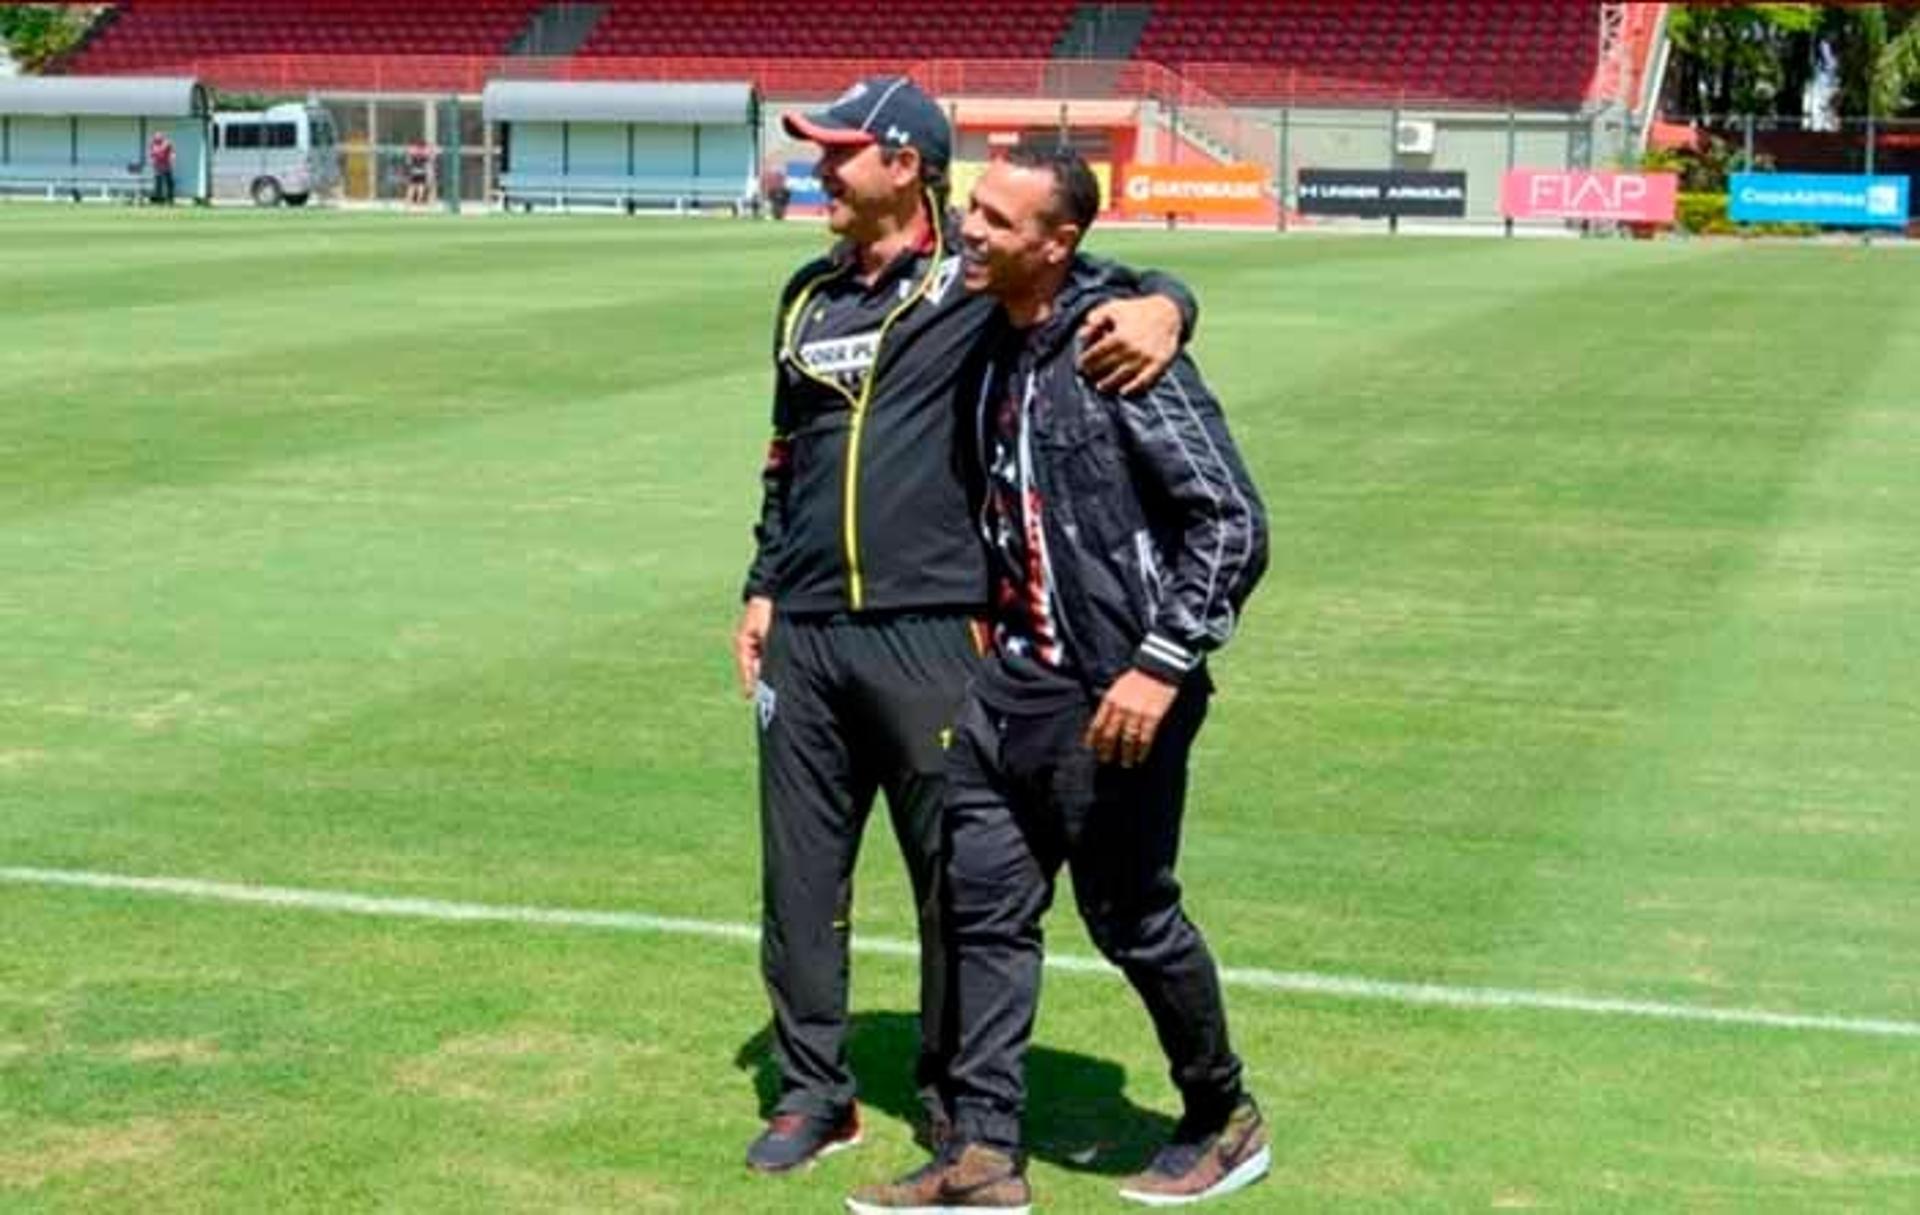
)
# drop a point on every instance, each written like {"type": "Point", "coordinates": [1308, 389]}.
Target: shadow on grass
{"type": "Point", "coordinates": [1078, 1114]}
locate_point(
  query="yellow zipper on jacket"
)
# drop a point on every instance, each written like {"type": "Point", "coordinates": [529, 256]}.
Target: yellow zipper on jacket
{"type": "Point", "coordinates": [850, 491]}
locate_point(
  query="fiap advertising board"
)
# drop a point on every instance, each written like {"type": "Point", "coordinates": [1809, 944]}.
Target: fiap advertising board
{"type": "Point", "coordinates": [1644, 198]}
{"type": "Point", "coordinates": [1818, 198]}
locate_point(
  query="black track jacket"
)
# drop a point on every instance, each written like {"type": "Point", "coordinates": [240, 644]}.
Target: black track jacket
{"type": "Point", "coordinates": [866, 503]}
{"type": "Point", "coordinates": [1153, 532]}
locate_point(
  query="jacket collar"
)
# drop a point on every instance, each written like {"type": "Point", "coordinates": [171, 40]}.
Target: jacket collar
{"type": "Point", "coordinates": [844, 259]}
{"type": "Point", "coordinates": [1088, 286]}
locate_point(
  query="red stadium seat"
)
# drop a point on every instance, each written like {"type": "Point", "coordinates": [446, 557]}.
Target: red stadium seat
{"type": "Point", "coordinates": [168, 32]}
{"type": "Point", "coordinates": [1245, 51]}
{"type": "Point", "coordinates": [1535, 51]}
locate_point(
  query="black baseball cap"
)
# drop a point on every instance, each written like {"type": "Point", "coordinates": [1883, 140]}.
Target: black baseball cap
{"type": "Point", "coordinates": [888, 110]}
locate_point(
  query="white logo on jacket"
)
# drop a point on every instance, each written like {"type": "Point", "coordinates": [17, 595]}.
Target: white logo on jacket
{"type": "Point", "coordinates": [943, 279]}
{"type": "Point", "coordinates": [841, 355]}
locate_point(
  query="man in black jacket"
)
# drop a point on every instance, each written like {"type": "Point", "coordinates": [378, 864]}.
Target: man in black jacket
{"type": "Point", "coordinates": [861, 626]}
{"type": "Point", "coordinates": [1124, 534]}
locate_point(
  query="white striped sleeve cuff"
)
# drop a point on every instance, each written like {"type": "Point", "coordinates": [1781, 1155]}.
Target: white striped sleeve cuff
{"type": "Point", "coordinates": [1164, 658]}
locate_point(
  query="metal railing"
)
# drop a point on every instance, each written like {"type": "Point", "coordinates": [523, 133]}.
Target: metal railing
{"type": "Point", "coordinates": [1197, 86]}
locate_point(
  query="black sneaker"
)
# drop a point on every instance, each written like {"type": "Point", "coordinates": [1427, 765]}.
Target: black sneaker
{"type": "Point", "coordinates": [1199, 1164]}
{"type": "Point", "coordinates": [793, 1141]}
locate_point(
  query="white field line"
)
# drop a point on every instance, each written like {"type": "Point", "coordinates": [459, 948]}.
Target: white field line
{"type": "Point", "coordinates": [1237, 977]}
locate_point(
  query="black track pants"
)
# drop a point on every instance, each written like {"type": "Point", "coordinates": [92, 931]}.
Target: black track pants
{"type": "Point", "coordinates": [851, 705]}
{"type": "Point", "coordinates": [1027, 796]}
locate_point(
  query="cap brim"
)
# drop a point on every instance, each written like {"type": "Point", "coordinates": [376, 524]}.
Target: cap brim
{"type": "Point", "coordinates": [805, 126]}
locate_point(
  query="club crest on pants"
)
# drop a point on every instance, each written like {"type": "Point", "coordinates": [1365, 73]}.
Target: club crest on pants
{"type": "Point", "coordinates": [764, 702]}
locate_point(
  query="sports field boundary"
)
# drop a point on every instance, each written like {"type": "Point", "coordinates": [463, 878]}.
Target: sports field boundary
{"type": "Point", "coordinates": [1289, 982]}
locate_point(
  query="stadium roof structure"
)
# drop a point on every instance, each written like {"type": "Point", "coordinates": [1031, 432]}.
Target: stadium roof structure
{"type": "Point", "coordinates": [104, 97]}
{"type": "Point", "coordinates": [596, 101]}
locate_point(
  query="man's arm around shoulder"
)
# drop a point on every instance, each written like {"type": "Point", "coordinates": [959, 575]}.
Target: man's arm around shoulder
{"type": "Point", "coordinates": [1129, 342]}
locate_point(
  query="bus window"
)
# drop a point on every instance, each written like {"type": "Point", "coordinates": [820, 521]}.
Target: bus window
{"type": "Point", "coordinates": [282, 135]}
{"type": "Point", "coordinates": [242, 135]}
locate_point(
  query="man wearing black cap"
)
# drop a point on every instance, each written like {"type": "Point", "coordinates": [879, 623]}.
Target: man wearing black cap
{"type": "Point", "coordinates": [861, 627]}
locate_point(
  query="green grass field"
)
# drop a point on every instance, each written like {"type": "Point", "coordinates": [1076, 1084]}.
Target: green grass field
{"type": "Point", "coordinates": [396, 556]}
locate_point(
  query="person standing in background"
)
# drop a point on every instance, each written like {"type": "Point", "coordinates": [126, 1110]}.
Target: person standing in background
{"type": "Point", "coordinates": [419, 169]}
{"type": "Point", "coordinates": [160, 160]}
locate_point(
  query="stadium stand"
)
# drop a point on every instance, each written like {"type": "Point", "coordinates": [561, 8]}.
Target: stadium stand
{"type": "Point", "coordinates": [1504, 51]}
{"type": "Point", "coordinates": [1244, 52]}
{"type": "Point", "coordinates": [149, 34]}
{"type": "Point", "coordinates": [901, 30]}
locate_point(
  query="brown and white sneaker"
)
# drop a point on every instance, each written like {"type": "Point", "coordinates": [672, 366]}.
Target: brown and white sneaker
{"type": "Point", "coordinates": [1196, 1166]}
{"type": "Point", "coordinates": [965, 1178]}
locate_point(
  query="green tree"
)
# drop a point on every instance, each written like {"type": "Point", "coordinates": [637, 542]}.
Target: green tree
{"type": "Point", "coordinates": [1855, 35]}
{"type": "Point", "coordinates": [1741, 58]}
{"type": "Point", "coordinates": [1896, 70]}
{"type": "Point", "coordinates": [37, 35]}
{"type": "Point", "coordinates": [1759, 58]}
{"type": "Point", "coordinates": [1876, 48]}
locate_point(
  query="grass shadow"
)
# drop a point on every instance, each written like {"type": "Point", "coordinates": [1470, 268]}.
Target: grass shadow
{"type": "Point", "coordinates": [1078, 1114]}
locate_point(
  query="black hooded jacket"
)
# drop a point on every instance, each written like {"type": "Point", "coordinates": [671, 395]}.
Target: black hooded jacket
{"type": "Point", "coordinates": [865, 503]}
{"type": "Point", "coordinates": [1153, 530]}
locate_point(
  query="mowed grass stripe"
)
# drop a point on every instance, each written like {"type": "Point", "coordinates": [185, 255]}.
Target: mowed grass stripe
{"type": "Point", "coordinates": [182, 1056]}
{"type": "Point", "coordinates": [478, 656]}
{"type": "Point", "coordinates": [307, 265]}
{"type": "Point", "coordinates": [300, 294]}
{"type": "Point", "coordinates": [383, 797]}
{"type": "Point", "coordinates": [506, 623]}
{"type": "Point", "coordinates": [1345, 987]}
{"type": "Point", "coordinates": [1733, 858]}
{"type": "Point", "coordinates": [1435, 843]}
{"type": "Point", "coordinates": [1783, 751]}
{"type": "Point", "coordinates": [41, 241]}
{"type": "Point", "coordinates": [1497, 553]}
{"type": "Point", "coordinates": [365, 362]}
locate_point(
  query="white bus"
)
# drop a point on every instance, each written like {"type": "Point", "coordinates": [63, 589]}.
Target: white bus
{"type": "Point", "coordinates": [287, 153]}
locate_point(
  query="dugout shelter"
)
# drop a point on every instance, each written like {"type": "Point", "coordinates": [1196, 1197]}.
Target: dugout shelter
{"type": "Point", "coordinates": [681, 146]}
{"type": "Point", "coordinates": [85, 137]}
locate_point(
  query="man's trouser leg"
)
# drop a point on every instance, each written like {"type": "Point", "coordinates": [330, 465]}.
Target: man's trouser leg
{"type": "Point", "coordinates": [909, 675]}
{"type": "Point", "coordinates": [1002, 857]}
{"type": "Point", "coordinates": [1123, 879]}
{"type": "Point", "coordinates": [851, 704]}
{"type": "Point", "coordinates": [1026, 793]}
{"type": "Point", "coordinates": [813, 804]}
